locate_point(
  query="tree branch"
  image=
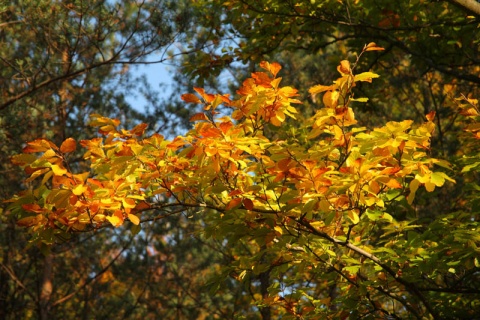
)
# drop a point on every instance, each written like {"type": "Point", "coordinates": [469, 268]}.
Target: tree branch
{"type": "Point", "coordinates": [471, 6]}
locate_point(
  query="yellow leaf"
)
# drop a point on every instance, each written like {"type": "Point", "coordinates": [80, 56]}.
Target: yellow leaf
{"type": "Point", "coordinates": [430, 186]}
{"type": "Point", "coordinates": [319, 89]}
{"type": "Point", "coordinates": [58, 170]}
{"type": "Point", "coordinates": [49, 154]}
{"type": "Point", "coordinates": [413, 189]}
{"type": "Point", "coordinates": [353, 217]}
{"type": "Point", "coordinates": [134, 219]}
{"type": "Point", "coordinates": [330, 99]}
{"type": "Point", "coordinates": [79, 189]}
{"type": "Point", "coordinates": [115, 221]}
{"type": "Point", "coordinates": [366, 76]}
{"type": "Point", "coordinates": [278, 230]}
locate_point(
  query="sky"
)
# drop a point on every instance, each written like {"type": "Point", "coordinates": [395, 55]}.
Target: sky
{"type": "Point", "coordinates": [156, 74]}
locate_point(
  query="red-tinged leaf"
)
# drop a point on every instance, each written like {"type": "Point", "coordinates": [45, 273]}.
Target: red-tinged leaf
{"type": "Point", "coordinates": [262, 79]}
{"type": "Point", "coordinates": [95, 182]}
{"type": "Point", "coordinates": [206, 96]}
{"type": "Point", "coordinates": [248, 204]}
{"type": "Point", "coordinates": [283, 164]}
{"type": "Point", "coordinates": [225, 126]}
{"type": "Point", "coordinates": [431, 115]}
{"type": "Point", "coordinates": [273, 67]}
{"type": "Point", "coordinates": [233, 203]}
{"type": "Point", "coordinates": [69, 145]}
{"type": "Point", "coordinates": [390, 170]}
{"type": "Point", "coordinates": [139, 130]}
{"type": "Point", "coordinates": [190, 98]}
{"type": "Point", "coordinates": [142, 206]}
{"type": "Point", "coordinates": [33, 207]}
{"type": "Point", "coordinates": [199, 117]}
{"type": "Point", "coordinates": [177, 143]}
{"type": "Point", "coordinates": [210, 132]}
{"type": "Point", "coordinates": [235, 193]}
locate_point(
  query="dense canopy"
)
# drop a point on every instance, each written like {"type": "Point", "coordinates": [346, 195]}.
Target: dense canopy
{"type": "Point", "coordinates": [323, 164]}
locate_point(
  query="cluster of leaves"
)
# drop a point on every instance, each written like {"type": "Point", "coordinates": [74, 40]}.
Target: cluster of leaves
{"type": "Point", "coordinates": [59, 62]}
{"type": "Point", "coordinates": [304, 213]}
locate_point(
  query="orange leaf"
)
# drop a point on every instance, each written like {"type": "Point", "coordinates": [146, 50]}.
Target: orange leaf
{"type": "Point", "coordinates": [344, 67]}
{"type": "Point", "coordinates": [262, 79]}
{"type": "Point", "coordinates": [139, 129]}
{"type": "Point", "coordinates": [141, 207]}
{"type": "Point", "coordinates": [430, 116]}
{"type": "Point", "coordinates": [198, 117]}
{"type": "Point", "coordinates": [206, 96]}
{"type": "Point", "coordinates": [225, 126]}
{"type": "Point", "coordinates": [233, 203]}
{"type": "Point", "coordinates": [210, 132]}
{"type": "Point", "coordinates": [394, 184]}
{"type": "Point", "coordinates": [190, 98]}
{"type": "Point", "coordinates": [273, 67]}
{"type": "Point", "coordinates": [68, 145]}
{"type": "Point", "coordinates": [372, 46]}
{"type": "Point", "coordinates": [39, 145]}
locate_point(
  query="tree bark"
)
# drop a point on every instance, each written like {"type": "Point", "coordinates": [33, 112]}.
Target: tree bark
{"type": "Point", "coordinates": [46, 288]}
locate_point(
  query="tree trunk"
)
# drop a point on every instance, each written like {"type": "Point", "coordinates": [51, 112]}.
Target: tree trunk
{"type": "Point", "coordinates": [264, 277]}
{"type": "Point", "coordinates": [46, 288]}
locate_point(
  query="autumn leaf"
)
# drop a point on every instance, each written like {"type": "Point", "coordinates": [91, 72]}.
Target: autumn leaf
{"type": "Point", "coordinates": [39, 145]}
{"type": "Point", "coordinates": [430, 116]}
{"type": "Point", "coordinates": [273, 67]}
{"type": "Point", "coordinates": [365, 76]}
{"type": "Point", "coordinates": [134, 219]}
{"type": "Point", "coordinates": [190, 98]}
{"type": "Point", "coordinates": [199, 117]}
{"type": "Point", "coordinates": [69, 145]}
{"type": "Point", "coordinates": [320, 88]}
{"type": "Point", "coordinates": [344, 67]}
{"type": "Point", "coordinates": [372, 46]}
{"type": "Point", "coordinates": [235, 202]}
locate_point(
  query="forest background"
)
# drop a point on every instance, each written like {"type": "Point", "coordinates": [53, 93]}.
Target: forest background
{"type": "Point", "coordinates": [64, 60]}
